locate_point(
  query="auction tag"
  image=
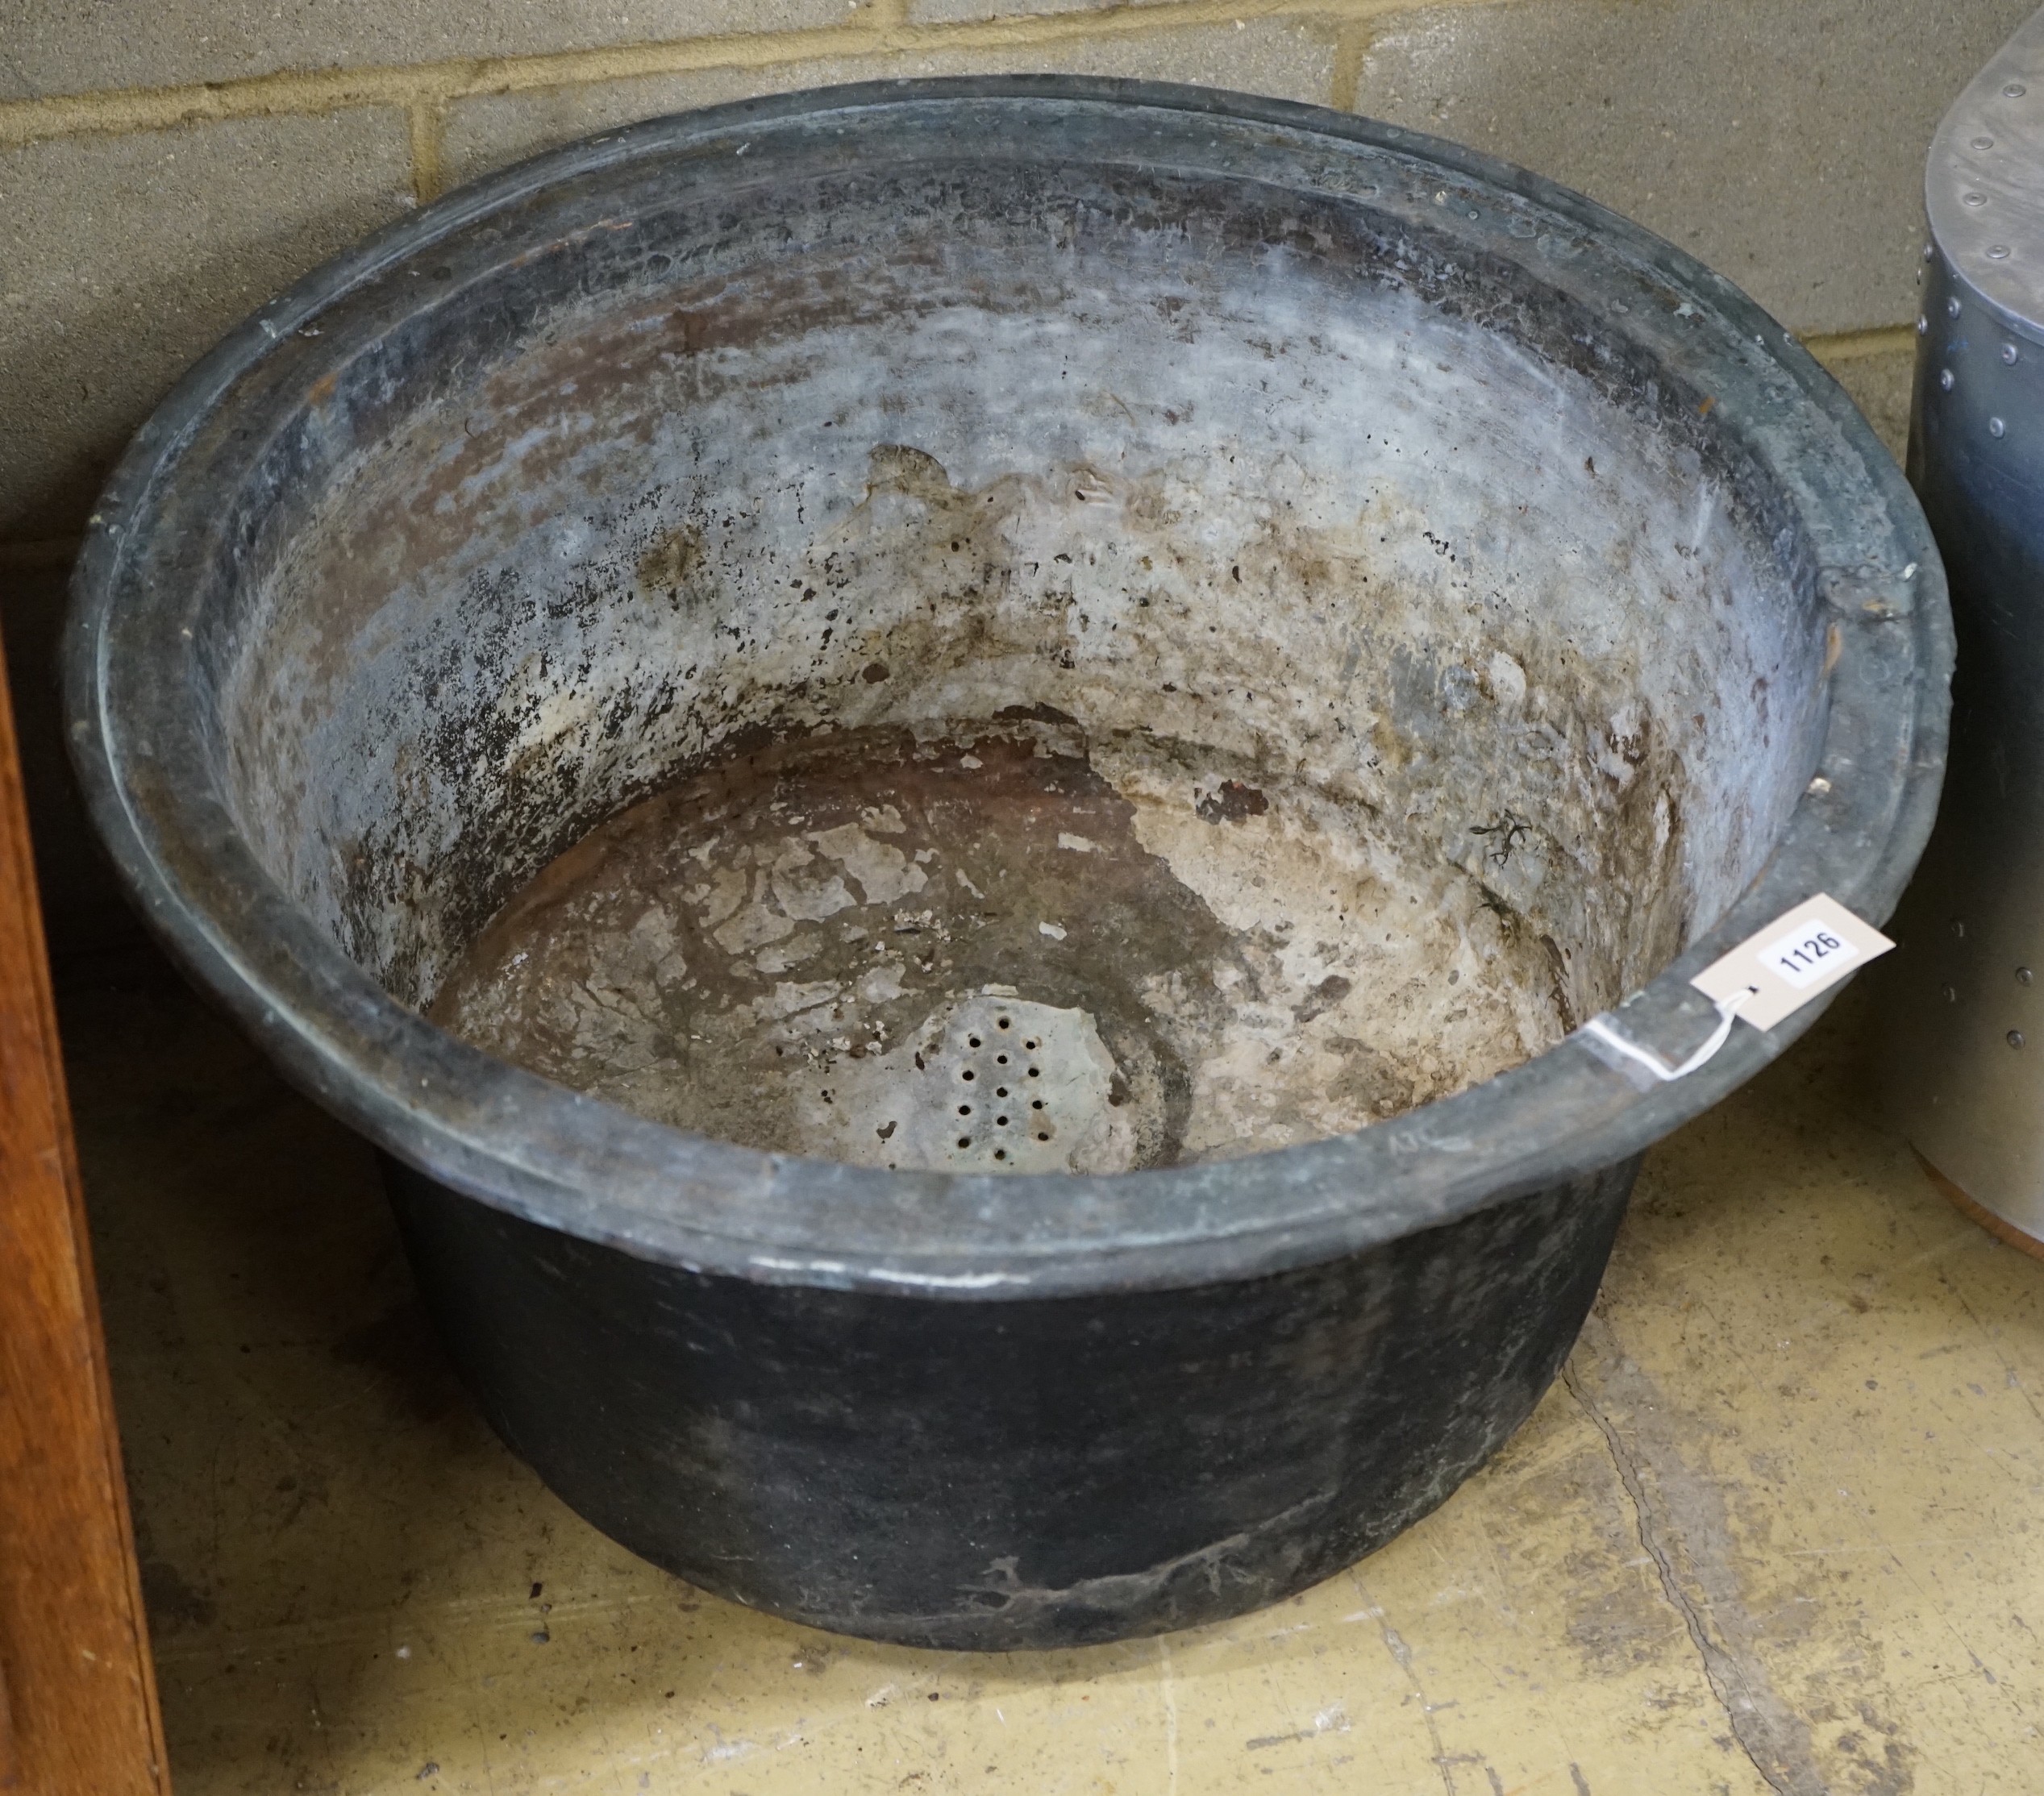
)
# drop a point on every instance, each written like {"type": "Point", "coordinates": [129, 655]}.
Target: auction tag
{"type": "Point", "coordinates": [1804, 952]}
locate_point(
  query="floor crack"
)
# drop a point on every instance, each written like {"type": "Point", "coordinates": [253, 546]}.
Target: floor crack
{"type": "Point", "coordinates": [1169, 1691]}
{"type": "Point", "coordinates": [1395, 1644]}
{"type": "Point", "coordinates": [1720, 1670]}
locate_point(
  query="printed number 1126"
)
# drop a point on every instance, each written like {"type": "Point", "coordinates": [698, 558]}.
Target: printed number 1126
{"type": "Point", "coordinates": [1807, 954]}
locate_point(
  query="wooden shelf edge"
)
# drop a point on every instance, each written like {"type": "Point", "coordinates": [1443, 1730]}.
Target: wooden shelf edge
{"type": "Point", "coordinates": [78, 1709]}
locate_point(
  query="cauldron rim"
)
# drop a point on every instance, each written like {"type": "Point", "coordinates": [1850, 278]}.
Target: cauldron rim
{"type": "Point", "coordinates": [517, 1142]}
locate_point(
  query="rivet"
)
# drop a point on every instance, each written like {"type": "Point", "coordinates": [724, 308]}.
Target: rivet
{"type": "Point", "coordinates": [1951, 308]}
{"type": "Point", "coordinates": [1945, 380]}
{"type": "Point", "coordinates": [1984, 143]}
{"type": "Point", "coordinates": [1958, 928]}
{"type": "Point", "coordinates": [1951, 994]}
{"type": "Point", "coordinates": [1923, 324]}
{"type": "Point", "coordinates": [1929, 252]}
{"type": "Point", "coordinates": [1996, 428]}
{"type": "Point", "coordinates": [2015, 1038]}
{"type": "Point", "coordinates": [2009, 354]}
{"type": "Point", "coordinates": [1997, 252]}
{"type": "Point", "coordinates": [1975, 199]}
{"type": "Point", "coordinates": [2015, 90]}
{"type": "Point", "coordinates": [2024, 976]}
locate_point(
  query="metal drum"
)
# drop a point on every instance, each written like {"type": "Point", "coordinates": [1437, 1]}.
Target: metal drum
{"type": "Point", "coordinates": [1965, 1051]}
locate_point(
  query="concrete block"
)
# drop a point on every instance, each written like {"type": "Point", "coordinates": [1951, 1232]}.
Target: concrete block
{"type": "Point", "coordinates": [91, 44]}
{"type": "Point", "coordinates": [1783, 144]}
{"type": "Point", "coordinates": [1276, 56]}
{"type": "Point", "coordinates": [123, 259]}
{"type": "Point", "coordinates": [83, 910]}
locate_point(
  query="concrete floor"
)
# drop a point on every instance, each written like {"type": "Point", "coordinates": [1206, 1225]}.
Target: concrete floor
{"type": "Point", "coordinates": [1877, 377]}
{"type": "Point", "coordinates": [1771, 1531]}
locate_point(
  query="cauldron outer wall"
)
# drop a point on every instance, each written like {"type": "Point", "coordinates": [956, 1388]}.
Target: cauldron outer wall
{"type": "Point", "coordinates": [994, 1466]}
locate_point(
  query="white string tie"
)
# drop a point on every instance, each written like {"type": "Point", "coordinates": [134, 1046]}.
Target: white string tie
{"type": "Point", "coordinates": [1727, 1010]}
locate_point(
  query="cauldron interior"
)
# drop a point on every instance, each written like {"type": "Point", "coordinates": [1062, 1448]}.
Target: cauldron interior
{"type": "Point", "coordinates": [1345, 588]}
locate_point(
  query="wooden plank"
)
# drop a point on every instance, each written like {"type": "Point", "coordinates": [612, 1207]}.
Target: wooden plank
{"type": "Point", "coordinates": [78, 1714]}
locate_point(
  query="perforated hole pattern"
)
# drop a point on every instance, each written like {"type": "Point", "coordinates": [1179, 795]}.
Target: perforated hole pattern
{"type": "Point", "coordinates": [998, 1084]}
{"type": "Point", "coordinates": [998, 1072]}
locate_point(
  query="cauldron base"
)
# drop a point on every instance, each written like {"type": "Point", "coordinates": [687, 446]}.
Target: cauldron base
{"type": "Point", "coordinates": [991, 1477]}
